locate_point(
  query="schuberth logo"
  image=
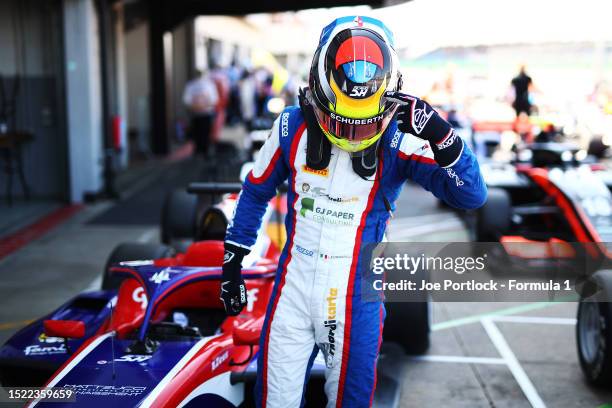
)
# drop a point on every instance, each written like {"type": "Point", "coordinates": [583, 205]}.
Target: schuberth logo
{"type": "Point", "coordinates": [322, 173]}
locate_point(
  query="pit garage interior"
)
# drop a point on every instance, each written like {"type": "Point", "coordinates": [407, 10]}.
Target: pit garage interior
{"type": "Point", "coordinates": [56, 246]}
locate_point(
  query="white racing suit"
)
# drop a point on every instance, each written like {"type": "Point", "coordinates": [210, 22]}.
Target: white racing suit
{"type": "Point", "coordinates": [316, 304]}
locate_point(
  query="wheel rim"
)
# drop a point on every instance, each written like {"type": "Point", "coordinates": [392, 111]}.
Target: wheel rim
{"type": "Point", "coordinates": [589, 330]}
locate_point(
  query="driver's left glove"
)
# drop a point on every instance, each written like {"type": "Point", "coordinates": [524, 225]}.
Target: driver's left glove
{"type": "Point", "coordinates": [418, 118]}
{"type": "Point", "coordinates": [233, 289]}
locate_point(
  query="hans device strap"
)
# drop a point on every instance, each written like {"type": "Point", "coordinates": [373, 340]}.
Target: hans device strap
{"type": "Point", "coordinates": [318, 148]}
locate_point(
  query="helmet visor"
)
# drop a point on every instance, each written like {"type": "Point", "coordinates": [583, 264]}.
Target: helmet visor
{"type": "Point", "coordinates": [354, 130]}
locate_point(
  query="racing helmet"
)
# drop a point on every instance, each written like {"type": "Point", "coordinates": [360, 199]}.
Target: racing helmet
{"type": "Point", "coordinates": [352, 68]}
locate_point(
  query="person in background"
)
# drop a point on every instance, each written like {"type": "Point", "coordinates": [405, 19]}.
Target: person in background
{"type": "Point", "coordinates": [548, 134]}
{"type": "Point", "coordinates": [201, 98]}
{"type": "Point", "coordinates": [222, 83]}
{"type": "Point", "coordinates": [234, 73]}
{"type": "Point", "coordinates": [247, 88]}
{"type": "Point", "coordinates": [522, 84]}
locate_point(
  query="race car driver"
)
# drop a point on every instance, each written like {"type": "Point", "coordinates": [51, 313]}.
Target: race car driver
{"type": "Point", "coordinates": [346, 151]}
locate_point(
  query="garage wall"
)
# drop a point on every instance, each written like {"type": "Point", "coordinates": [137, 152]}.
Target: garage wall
{"type": "Point", "coordinates": [30, 34]}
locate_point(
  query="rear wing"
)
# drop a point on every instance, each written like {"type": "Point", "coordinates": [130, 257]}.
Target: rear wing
{"type": "Point", "coordinates": [217, 189]}
{"type": "Point", "coordinates": [213, 188]}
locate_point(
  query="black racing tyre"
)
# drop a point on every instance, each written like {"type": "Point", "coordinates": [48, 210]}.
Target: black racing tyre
{"type": "Point", "coordinates": [131, 252]}
{"type": "Point", "coordinates": [178, 218]}
{"type": "Point", "coordinates": [408, 324]}
{"type": "Point", "coordinates": [594, 329]}
{"type": "Point", "coordinates": [494, 217]}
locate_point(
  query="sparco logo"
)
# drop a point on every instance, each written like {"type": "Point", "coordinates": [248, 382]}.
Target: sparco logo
{"type": "Point", "coordinates": [420, 117]}
{"type": "Point", "coordinates": [352, 121]}
{"type": "Point", "coordinates": [448, 141]}
{"type": "Point", "coordinates": [451, 173]}
{"type": "Point", "coordinates": [285, 124]}
{"type": "Point", "coordinates": [395, 139]}
{"type": "Point", "coordinates": [304, 251]}
{"type": "Point", "coordinates": [331, 326]}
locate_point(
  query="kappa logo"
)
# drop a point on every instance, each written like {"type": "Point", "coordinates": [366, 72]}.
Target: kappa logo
{"type": "Point", "coordinates": [420, 117]}
{"type": "Point", "coordinates": [322, 173]}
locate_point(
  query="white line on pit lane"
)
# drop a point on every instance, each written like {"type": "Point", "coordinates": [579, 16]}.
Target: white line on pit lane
{"type": "Point", "coordinates": [398, 232]}
{"type": "Point", "coordinates": [536, 320]}
{"type": "Point", "coordinates": [513, 364]}
{"type": "Point", "coordinates": [459, 359]}
{"type": "Point", "coordinates": [424, 219]}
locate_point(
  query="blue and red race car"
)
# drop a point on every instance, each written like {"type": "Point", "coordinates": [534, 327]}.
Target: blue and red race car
{"type": "Point", "coordinates": [159, 337]}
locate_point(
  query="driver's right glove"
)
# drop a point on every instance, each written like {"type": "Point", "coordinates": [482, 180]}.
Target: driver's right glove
{"type": "Point", "coordinates": [233, 289]}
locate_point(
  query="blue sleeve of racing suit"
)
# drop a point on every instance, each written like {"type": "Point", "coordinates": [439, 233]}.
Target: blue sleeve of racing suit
{"type": "Point", "coordinates": [269, 171]}
{"type": "Point", "coordinates": [459, 185]}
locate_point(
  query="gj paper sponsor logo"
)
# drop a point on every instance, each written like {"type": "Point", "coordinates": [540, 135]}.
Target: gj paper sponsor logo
{"type": "Point", "coordinates": [325, 215]}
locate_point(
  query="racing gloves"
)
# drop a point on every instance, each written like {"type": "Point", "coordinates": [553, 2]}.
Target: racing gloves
{"type": "Point", "coordinates": [233, 289]}
{"type": "Point", "coordinates": [418, 118]}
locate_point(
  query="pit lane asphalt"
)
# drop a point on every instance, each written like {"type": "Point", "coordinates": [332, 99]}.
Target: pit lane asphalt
{"type": "Point", "coordinates": [482, 354]}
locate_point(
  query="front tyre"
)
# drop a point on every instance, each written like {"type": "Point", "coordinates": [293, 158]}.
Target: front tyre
{"type": "Point", "coordinates": [409, 325]}
{"type": "Point", "coordinates": [594, 330]}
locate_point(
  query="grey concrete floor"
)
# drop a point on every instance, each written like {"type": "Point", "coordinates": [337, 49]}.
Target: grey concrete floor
{"type": "Point", "coordinates": [463, 368]}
